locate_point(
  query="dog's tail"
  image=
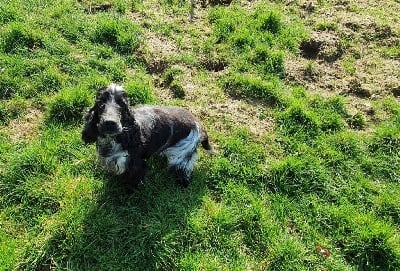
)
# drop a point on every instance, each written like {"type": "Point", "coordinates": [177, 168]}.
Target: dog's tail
{"type": "Point", "coordinates": [205, 143]}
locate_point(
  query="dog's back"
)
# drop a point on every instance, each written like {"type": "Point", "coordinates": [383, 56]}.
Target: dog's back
{"type": "Point", "coordinates": [164, 126]}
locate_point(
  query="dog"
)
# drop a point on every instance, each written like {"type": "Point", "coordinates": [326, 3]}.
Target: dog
{"type": "Point", "coordinates": [126, 136]}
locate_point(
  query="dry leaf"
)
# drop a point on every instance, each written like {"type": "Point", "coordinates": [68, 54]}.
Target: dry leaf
{"type": "Point", "coordinates": [323, 251]}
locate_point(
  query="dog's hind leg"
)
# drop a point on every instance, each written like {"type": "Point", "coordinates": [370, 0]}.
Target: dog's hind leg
{"type": "Point", "coordinates": [184, 168]}
{"type": "Point", "coordinates": [182, 157]}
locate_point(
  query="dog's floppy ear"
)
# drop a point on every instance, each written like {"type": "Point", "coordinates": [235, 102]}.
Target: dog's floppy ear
{"type": "Point", "coordinates": [90, 131]}
{"type": "Point", "coordinates": [124, 99]}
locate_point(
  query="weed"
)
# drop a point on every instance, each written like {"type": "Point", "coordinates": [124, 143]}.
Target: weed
{"type": "Point", "coordinates": [357, 121]}
{"type": "Point", "coordinates": [178, 91]}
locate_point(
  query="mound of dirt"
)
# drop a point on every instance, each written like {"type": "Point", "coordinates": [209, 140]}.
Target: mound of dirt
{"type": "Point", "coordinates": [322, 45]}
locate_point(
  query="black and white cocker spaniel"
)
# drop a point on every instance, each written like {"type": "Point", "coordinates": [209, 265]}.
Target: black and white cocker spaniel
{"type": "Point", "coordinates": [126, 136]}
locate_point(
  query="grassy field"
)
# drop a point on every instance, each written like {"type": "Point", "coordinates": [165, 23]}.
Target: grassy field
{"type": "Point", "coordinates": [300, 99]}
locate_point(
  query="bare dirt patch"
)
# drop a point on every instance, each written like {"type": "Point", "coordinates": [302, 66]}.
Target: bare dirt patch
{"type": "Point", "coordinates": [345, 53]}
{"type": "Point", "coordinates": [25, 127]}
{"type": "Point", "coordinates": [213, 64]}
{"type": "Point", "coordinates": [94, 8]}
{"type": "Point", "coordinates": [237, 113]}
{"type": "Point", "coordinates": [322, 45]}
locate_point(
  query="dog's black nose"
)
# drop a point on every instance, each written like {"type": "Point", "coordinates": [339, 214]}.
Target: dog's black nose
{"type": "Point", "coordinates": [109, 127]}
{"type": "Point", "coordinates": [109, 123]}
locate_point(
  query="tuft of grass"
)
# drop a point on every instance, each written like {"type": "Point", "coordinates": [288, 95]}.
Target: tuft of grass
{"type": "Point", "coordinates": [19, 38]}
{"type": "Point", "coordinates": [267, 60]}
{"type": "Point", "coordinates": [298, 121]}
{"type": "Point", "coordinates": [8, 13]}
{"type": "Point", "coordinates": [295, 176]}
{"type": "Point", "coordinates": [387, 138]}
{"type": "Point", "coordinates": [247, 86]}
{"type": "Point", "coordinates": [177, 90]}
{"type": "Point", "coordinates": [357, 121]}
{"type": "Point", "coordinates": [327, 26]}
{"type": "Point", "coordinates": [122, 35]}
{"type": "Point", "coordinates": [172, 74]}
{"type": "Point", "coordinates": [49, 81]}
{"type": "Point", "coordinates": [68, 105]}
{"type": "Point", "coordinates": [12, 109]}
{"type": "Point", "coordinates": [348, 65]}
{"type": "Point", "coordinates": [8, 86]}
{"type": "Point", "coordinates": [139, 91]}
{"type": "Point", "coordinates": [311, 117]}
{"type": "Point", "coordinates": [369, 243]}
{"type": "Point", "coordinates": [269, 21]}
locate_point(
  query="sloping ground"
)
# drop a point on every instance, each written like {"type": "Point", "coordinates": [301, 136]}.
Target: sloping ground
{"type": "Point", "coordinates": [174, 48]}
{"type": "Point", "coordinates": [353, 51]}
{"type": "Point", "coordinates": [300, 99]}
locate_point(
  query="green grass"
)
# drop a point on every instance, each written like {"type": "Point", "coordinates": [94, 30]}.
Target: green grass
{"type": "Point", "coordinates": [322, 177]}
{"type": "Point", "coordinates": [247, 86]}
{"type": "Point", "coordinates": [253, 41]}
{"type": "Point", "coordinates": [12, 109]}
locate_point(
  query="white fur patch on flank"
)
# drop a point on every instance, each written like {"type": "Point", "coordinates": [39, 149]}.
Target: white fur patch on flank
{"type": "Point", "coordinates": [117, 159]}
{"type": "Point", "coordinates": [184, 153]}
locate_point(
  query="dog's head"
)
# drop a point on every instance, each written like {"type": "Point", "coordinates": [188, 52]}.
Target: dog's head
{"type": "Point", "coordinates": [105, 118]}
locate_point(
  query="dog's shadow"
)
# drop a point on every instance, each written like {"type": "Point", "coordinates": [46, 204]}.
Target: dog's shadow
{"type": "Point", "coordinates": [142, 230]}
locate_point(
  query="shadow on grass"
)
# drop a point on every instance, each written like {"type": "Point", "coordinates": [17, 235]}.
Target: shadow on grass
{"type": "Point", "coordinates": [144, 230]}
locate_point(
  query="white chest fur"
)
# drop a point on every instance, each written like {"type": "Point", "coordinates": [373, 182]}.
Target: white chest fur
{"type": "Point", "coordinates": [115, 160]}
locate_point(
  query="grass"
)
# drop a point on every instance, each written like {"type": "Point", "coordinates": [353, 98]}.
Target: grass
{"type": "Point", "coordinates": [324, 177]}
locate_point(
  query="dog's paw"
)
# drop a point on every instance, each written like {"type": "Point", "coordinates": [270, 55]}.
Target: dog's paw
{"type": "Point", "coordinates": [184, 182]}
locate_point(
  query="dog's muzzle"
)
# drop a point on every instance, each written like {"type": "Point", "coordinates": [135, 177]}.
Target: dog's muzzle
{"type": "Point", "coordinates": [110, 120]}
{"type": "Point", "coordinates": [109, 127]}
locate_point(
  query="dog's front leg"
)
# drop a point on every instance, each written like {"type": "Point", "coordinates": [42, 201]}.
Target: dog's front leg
{"type": "Point", "coordinates": [135, 173]}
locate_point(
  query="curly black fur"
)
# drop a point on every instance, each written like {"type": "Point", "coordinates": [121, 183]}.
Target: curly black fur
{"type": "Point", "coordinates": [126, 136]}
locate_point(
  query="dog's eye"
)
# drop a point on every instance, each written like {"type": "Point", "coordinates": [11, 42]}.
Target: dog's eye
{"type": "Point", "coordinates": [121, 101]}
{"type": "Point", "coordinates": [101, 107]}
{"type": "Point", "coordinates": [105, 97]}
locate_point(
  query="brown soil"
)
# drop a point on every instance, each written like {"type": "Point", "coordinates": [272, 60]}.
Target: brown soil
{"type": "Point", "coordinates": [359, 31]}
{"type": "Point", "coordinates": [26, 127]}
